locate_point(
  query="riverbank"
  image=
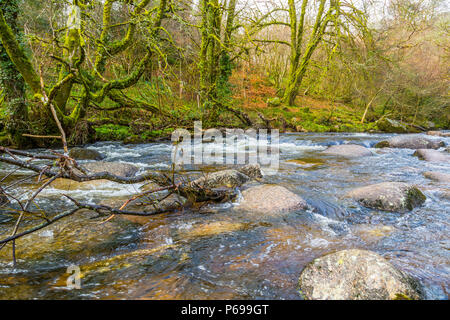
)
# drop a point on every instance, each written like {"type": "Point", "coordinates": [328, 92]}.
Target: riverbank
{"type": "Point", "coordinates": [259, 105]}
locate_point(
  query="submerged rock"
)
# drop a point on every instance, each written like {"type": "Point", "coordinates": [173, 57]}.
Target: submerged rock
{"type": "Point", "coordinates": [212, 229]}
{"type": "Point", "coordinates": [431, 155]}
{"type": "Point", "coordinates": [410, 142]}
{"type": "Point", "coordinates": [437, 176]}
{"type": "Point", "coordinates": [348, 151]}
{"type": "Point", "coordinates": [388, 196]}
{"type": "Point", "coordinates": [75, 237]}
{"type": "Point", "coordinates": [116, 168]}
{"type": "Point", "coordinates": [372, 233]}
{"type": "Point", "coordinates": [355, 275]}
{"type": "Point", "coordinates": [270, 199]}
{"type": "Point", "coordinates": [85, 154]}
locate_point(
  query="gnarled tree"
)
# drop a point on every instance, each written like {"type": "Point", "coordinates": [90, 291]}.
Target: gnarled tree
{"type": "Point", "coordinates": [81, 57]}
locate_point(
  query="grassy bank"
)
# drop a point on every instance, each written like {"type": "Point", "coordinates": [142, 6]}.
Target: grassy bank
{"type": "Point", "coordinates": [258, 101]}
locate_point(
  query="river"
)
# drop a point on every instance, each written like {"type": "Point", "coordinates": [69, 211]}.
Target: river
{"type": "Point", "coordinates": [222, 253]}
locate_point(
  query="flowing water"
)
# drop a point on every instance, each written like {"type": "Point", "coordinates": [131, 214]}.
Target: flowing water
{"type": "Point", "coordinates": [221, 253]}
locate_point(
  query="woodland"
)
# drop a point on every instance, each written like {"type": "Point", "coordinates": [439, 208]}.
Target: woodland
{"type": "Point", "coordinates": [136, 70]}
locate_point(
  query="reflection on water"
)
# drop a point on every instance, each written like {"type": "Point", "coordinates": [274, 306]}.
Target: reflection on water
{"type": "Point", "coordinates": [221, 253]}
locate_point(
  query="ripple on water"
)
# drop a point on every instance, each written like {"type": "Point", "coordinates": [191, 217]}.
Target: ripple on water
{"type": "Point", "coordinates": [224, 254]}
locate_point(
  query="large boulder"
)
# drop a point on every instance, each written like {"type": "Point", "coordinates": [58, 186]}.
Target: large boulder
{"type": "Point", "coordinates": [410, 142]}
{"type": "Point", "coordinates": [438, 133]}
{"type": "Point", "coordinates": [116, 168]}
{"type": "Point", "coordinates": [270, 200]}
{"type": "Point", "coordinates": [348, 151]}
{"type": "Point", "coordinates": [355, 275]}
{"type": "Point", "coordinates": [85, 154]}
{"type": "Point", "coordinates": [437, 176]}
{"type": "Point", "coordinates": [388, 196]}
{"type": "Point", "coordinates": [392, 126]}
{"type": "Point", "coordinates": [432, 155]}
{"type": "Point", "coordinates": [228, 178]}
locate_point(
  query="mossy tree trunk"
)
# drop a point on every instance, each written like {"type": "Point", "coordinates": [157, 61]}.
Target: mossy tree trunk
{"type": "Point", "coordinates": [215, 48]}
{"type": "Point", "coordinates": [92, 85]}
{"type": "Point", "coordinates": [12, 82]}
{"type": "Point", "coordinates": [300, 59]}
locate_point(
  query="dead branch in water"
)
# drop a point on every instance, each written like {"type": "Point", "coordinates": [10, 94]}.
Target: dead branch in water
{"type": "Point", "coordinates": [56, 165]}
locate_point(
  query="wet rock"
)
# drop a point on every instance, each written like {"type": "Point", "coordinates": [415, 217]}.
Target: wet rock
{"type": "Point", "coordinates": [75, 237]}
{"type": "Point", "coordinates": [308, 163]}
{"type": "Point", "coordinates": [67, 184]}
{"type": "Point", "coordinates": [171, 203]}
{"type": "Point", "coordinates": [432, 155]}
{"type": "Point", "coordinates": [392, 126]}
{"type": "Point", "coordinates": [410, 142]}
{"type": "Point", "coordinates": [348, 151]}
{"type": "Point", "coordinates": [388, 196]}
{"type": "Point", "coordinates": [212, 229]}
{"type": "Point", "coordinates": [253, 171]}
{"type": "Point", "coordinates": [85, 154]}
{"type": "Point", "coordinates": [270, 199]}
{"type": "Point", "coordinates": [355, 275]}
{"type": "Point", "coordinates": [116, 168]}
{"type": "Point", "coordinates": [228, 178]}
{"type": "Point", "coordinates": [382, 144]}
{"type": "Point", "coordinates": [437, 176]}
{"type": "Point", "coordinates": [372, 233]}
{"type": "Point", "coordinates": [438, 133]}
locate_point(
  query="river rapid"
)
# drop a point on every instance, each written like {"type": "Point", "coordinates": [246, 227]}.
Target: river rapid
{"type": "Point", "coordinates": [216, 252]}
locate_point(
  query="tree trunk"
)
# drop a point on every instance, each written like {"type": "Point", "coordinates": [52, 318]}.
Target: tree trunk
{"type": "Point", "coordinates": [12, 82]}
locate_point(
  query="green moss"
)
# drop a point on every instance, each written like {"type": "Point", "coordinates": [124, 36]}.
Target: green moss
{"type": "Point", "coordinates": [401, 296]}
{"type": "Point", "coordinates": [382, 144]}
{"type": "Point", "coordinates": [112, 132]}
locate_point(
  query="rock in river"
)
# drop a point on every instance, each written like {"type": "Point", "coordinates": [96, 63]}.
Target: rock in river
{"type": "Point", "coordinates": [437, 176]}
{"type": "Point", "coordinates": [410, 142]}
{"type": "Point", "coordinates": [270, 199]}
{"type": "Point", "coordinates": [388, 196]}
{"type": "Point", "coordinates": [85, 154]}
{"type": "Point", "coordinates": [348, 151]}
{"type": "Point", "coordinates": [438, 133]}
{"type": "Point", "coordinates": [116, 168]}
{"type": "Point", "coordinates": [229, 178]}
{"type": "Point", "coordinates": [355, 275]}
{"type": "Point", "coordinates": [432, 155]}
